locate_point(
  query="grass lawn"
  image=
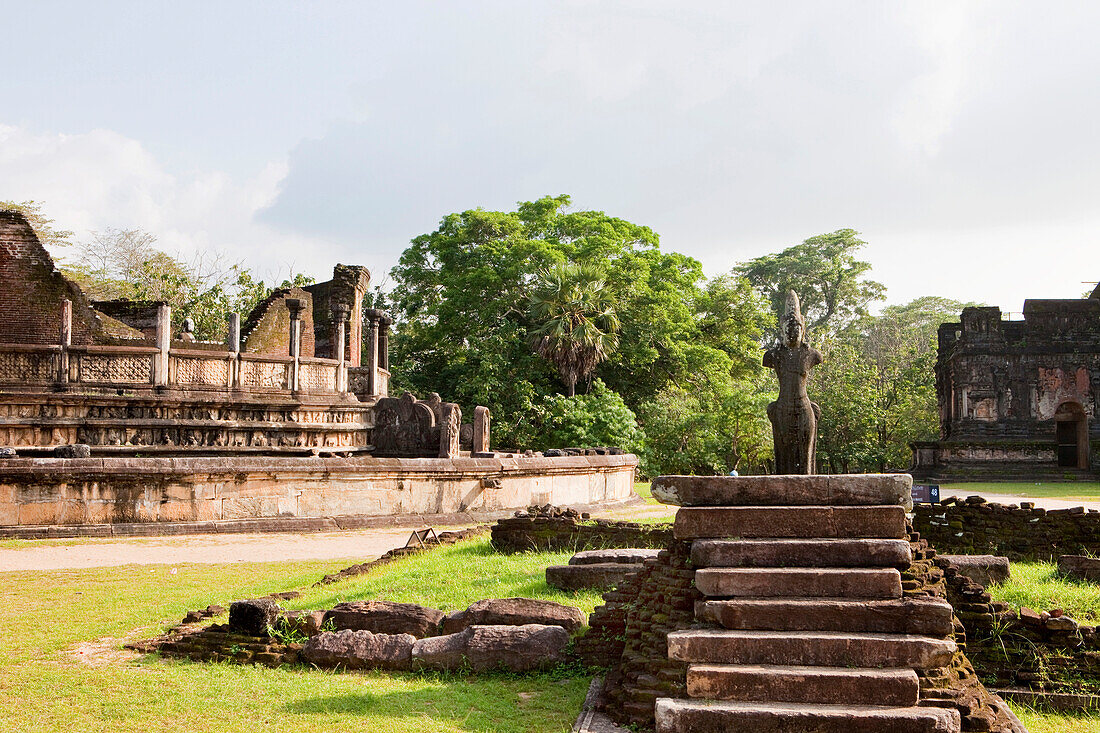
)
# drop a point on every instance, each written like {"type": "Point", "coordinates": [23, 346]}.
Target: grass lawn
{"type": "Point", "coordinates": [48, 618]}
{"type": "Point", "coordinates": [1042, 722]}
{"type": "Point", "coordinates": [1038, 585]}
{"type": "Point", "coordinates": [1070, 490]}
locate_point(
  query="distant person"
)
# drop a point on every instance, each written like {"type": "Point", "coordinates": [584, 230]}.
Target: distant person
{"type": "Point", "coordinates": [734, 473]}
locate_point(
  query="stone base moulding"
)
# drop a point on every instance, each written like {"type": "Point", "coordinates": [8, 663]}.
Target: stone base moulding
{"type": "Point", "coordinates": [50, 491]}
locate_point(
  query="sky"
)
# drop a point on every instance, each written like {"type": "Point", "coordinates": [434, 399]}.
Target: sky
{"type": "Point", "coordinates": [960, 138]}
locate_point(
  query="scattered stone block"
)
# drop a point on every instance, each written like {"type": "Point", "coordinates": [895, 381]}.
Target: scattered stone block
{"type": "Point", "coordinates": [626, 555]}
{"type": "Point", "coordinates": [253, 616]}
{"type": "Point", "coordinates": [76, 450]}
{"type": "Point", "coordinates": [386, 617]}
{"type": "Point", "coordinates": [986, 570]}
{"type": "Point", "coordinates": [359, 650]}
{"type": "Point", "coordinates": [515, 612]}
{"type": "Point", "coordinates": [582, 577]}
{"type": "Point", "coordinates": [485, 648]}
{"type": "Point", "coordinates": [305, 622]}
{"type": "Point", "coordinates": [1082, 567]}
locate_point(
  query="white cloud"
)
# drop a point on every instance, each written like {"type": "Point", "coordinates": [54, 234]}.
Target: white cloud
{"type": "Point", "coordinates": [100, 179]}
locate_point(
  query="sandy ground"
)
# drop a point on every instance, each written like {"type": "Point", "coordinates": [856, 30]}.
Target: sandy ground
{"type": "Point", "coordinates": [90, 553]}
{"type": "Point", "coordinates": [361, 545]}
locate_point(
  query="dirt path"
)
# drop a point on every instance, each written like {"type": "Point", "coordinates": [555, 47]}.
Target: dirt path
{"type": "Point", "coordinates": [90, 553]}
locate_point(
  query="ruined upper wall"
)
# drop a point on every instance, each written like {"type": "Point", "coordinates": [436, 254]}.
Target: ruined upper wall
{"type": "Point", "coordinates": [31, 291]}
{"type": "Point", "coordinates": [347, 288]}
{"type": "Point", "coordinates": [267, 329]}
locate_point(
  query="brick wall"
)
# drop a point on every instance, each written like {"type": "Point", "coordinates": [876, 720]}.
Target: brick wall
{"type": "Point", "coordinates": [267, 328]}
{"type": "Point", "coordinates": [31, 291]}
{"type": "Point", "coordinates": [1025, 532]}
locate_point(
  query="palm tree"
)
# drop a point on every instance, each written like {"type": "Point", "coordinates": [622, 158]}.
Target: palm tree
{"type": "Point", "coordinates": [575, 325]}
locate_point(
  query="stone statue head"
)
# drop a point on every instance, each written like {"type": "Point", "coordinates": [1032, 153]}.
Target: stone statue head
{"type": "Point", "coordinates": [792, 327]}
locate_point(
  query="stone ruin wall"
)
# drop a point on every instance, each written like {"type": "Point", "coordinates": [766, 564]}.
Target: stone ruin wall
{"type": "Point", "coordinates": [1001, 383]}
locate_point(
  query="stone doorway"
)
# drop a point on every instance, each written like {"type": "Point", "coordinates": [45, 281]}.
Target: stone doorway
{"type": "Point", "coordinates": [1072, 435]}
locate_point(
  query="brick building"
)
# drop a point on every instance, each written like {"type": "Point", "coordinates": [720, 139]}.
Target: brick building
{"type": "Point", "coordinates": [1018, 399]}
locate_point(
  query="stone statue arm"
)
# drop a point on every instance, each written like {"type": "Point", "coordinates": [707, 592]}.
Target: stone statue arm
{"type": "Point", "coordinates": [815, 357]}
{"type": "Point", "coordinates": [769, 359]}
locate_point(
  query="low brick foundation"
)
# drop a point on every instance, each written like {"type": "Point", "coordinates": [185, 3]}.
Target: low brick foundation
{"type": "Point", "coordinates": [1024, 532]}
{"type": "Point", "coordinates": [550, 528]}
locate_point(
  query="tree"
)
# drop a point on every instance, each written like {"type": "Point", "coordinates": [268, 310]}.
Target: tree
{"type": "Point", "coordinates": [42, 225]}
{"type": "Point", "coordinates": [825, 273]}
{"type": "Point", "coordinates": [599, 418]}
{"type": "Point", "coordinates": [574, 322]}
{"type": "Point", "coordinates": [877, 386]}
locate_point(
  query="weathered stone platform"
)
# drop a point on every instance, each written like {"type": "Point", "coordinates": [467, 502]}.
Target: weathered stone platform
{"type": "Point", "coordinates": [800, 575]}
{"type": "Point", "coordinates": [79, 491]}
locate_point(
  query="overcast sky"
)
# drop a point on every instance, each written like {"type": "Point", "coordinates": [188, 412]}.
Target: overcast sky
{"type": "Point", "coordinates": [961, 138]}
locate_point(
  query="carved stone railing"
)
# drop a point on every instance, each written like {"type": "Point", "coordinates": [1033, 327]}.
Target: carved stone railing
{"type": "Point", "coordinates": [134, 367]}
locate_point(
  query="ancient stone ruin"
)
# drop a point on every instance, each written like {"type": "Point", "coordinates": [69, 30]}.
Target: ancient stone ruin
{"type": "Point", "coordinates": [1017, 397]}
{"type": "Point", "coordinates": [789, 603]}
{"type": "Point", "coordinates": [110, 416]}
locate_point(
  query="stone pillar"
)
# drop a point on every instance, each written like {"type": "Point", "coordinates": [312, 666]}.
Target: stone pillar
{"type": "Point", "coordinates": [384, 342]}
{"type": "Point", "coordinates": [294, 305]}
{"type": "Point", "coordinates": [65, 340]}
{"type": "Point", "coordinates": [450, 428]}
{"type": "Point", "coordinates": [481, 430]}
{"type": "Point", "coordinates": [233, 343]}
{"type": "Point", "coordinates": [373, 315]}
{"type": "Point", "coordinates": [340, 320]}
{"type": "Point", "coordinates": [164, 343]}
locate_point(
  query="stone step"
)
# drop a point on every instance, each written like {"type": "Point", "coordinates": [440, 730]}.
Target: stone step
{"type": "Point", "coordinates": [801, 553]}
{"type": "Point", "coordinates": [810, 648]}
{"type": "Point", "coordinates": [709, 716]}
{"type": "Point", "coordinates": [849, 490]}
{"type": "Point", "coordinates": [822, 685]}
{"type": "Point", "coordinates": [930, 616]}
{"type": "Point", "coordinates": [825, 522]}
{"type": "Point", "coordinates": [799, 582]}
{"type": "Point", "coordinates": [597, 575]}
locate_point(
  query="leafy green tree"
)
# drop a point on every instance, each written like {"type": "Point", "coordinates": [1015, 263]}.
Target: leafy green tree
{"type": "Point", "coordinates": [831, 283]}
{"type": "Point", "coordinates": [598, 418]}
{"type": "Point", "coordinates": [462, 300]}
{"type": "Point", "coordinates": [574, 321]}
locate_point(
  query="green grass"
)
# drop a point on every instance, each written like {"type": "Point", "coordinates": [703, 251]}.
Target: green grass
{"type": "Point", "coordinates": [1038, 585]}
{"type": "Point", "coordinates": [1071, 490]}
{"type": "Point", "coordinates": [451, 578]}
{"type": "Point", "coordinates": [1043, 722]}
{"type": "Point", "coordinates": [645, 490]}
{"type": "Point", "coordinates": [44, 615]}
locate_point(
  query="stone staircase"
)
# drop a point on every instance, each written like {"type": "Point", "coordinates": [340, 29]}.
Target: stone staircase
{"type": "Point", "coordinates": [809, 630]}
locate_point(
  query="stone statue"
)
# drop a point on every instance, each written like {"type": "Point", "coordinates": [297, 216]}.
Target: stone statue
{"type": "Point", "coordinates": [793, 416]}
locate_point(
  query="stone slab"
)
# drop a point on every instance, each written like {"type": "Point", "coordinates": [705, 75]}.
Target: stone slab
{"type": "Point", "coordinates": [817, 490]}
{"type": "Point", "coordinates": [799, 582]}
{"type": "Point", "coordinates": [801, 553]}
{"type": "Point", "coordinates": [1080, 566]}
{"type": "Point", "coordinates": [580, 577]}
{"type": "Point", "coordinates": [826, 522]}
{"type": "Point", "coordinates": [809, 648]}
{"type": "Point", "coordinates": [708, 716]}
{"type": "Point", "coordinates": [922, 616]}
{"type": "Point", "coordinates": [627, 555]}
{"type": "Point", "coordinates": [985, 570]}
{"type": "Point", "coordinates": [823, 685]}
